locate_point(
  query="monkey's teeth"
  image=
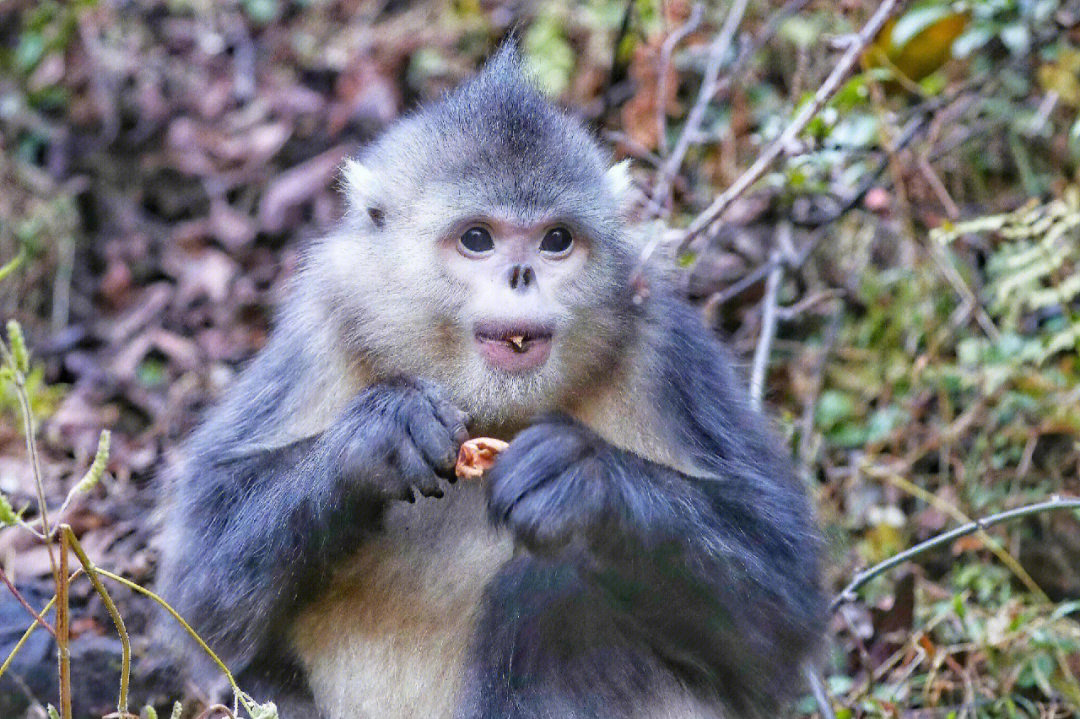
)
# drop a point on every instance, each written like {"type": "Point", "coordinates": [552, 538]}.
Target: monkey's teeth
{"type": "Point", "coordinates": [518, 341]}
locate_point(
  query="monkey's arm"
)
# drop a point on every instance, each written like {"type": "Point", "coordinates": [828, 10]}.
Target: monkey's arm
{"type": "Point", "coordinates": [717, 573]}
{"type": "Point", "coordinates": [254, 531]}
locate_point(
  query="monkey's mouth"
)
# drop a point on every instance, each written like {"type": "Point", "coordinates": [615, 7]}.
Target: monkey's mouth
{"type": "Point", "coordinates": [517, 347]}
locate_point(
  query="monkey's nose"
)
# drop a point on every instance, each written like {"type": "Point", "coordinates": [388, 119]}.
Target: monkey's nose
{"type": "Point", "coordinates": [521, 277]}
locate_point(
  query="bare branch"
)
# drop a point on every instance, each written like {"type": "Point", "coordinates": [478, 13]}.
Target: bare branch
{"type": "Point", "coordinates": [718, 49]}
{"type": "Point", "coordinates": [817, 688]}
{"type": "Point", "coordinates": [670, 43]}
{"type": "Point", "coordinates": [848, 593]}
{"type": "Point", "coordinates": [768, 331]}
{"type": "Point", "coordinates": [832, 83]}
{"type": "Point", "coordinates": [63, 630]}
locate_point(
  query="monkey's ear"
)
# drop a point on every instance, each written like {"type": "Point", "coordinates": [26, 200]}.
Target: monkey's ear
{"type": "Point", "coordinates": [361, 187]}
{"type": "Point", "coordinates": [619, 183]}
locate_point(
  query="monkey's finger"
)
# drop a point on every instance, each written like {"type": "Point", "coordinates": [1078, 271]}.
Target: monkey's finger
{"type": "Point", "coordinates": [434, 442]}
{"type": "Point", "coordinates": [453, 418]}
{"type": "Point", "coordinates": [416, 471]}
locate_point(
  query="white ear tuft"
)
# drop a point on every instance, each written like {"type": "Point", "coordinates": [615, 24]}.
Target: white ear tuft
{"type": "Point", "coordinates": [359, 182]}
{"type": "Point", "coordinates": [361, 191]}
{"type": "Point", "coordinates": [619, 181]}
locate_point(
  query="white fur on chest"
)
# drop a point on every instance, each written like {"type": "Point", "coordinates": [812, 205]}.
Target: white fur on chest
{"type": "Point", "coordinates": [390, 639]}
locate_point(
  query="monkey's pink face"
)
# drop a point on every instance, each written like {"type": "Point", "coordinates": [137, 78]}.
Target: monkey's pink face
{"type": "Point", "coordinates": [515, 276]}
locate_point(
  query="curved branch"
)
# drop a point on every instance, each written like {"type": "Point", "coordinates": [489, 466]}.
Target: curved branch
{"type": "Point", "coordinates": [848, 593]}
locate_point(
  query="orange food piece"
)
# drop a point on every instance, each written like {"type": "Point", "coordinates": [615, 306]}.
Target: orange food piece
{"type": "Point", "coordinates": [477, 455]}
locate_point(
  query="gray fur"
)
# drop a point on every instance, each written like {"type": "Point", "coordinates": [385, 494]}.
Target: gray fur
{"type": "Point", "coordinates": [312, 534]}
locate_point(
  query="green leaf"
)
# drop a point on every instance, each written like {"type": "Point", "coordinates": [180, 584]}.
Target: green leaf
{"type": "Point", "coordinates": [1017, 37]}
{"type": "Point", "coordinates": [19, 354]}
{"type": "Point", "coordinates": [832, 408]}
{"type": "Point", "coordinates": [1064, 609]}
{"type": "Point", "coordinates": [549, 54]}
{"type": "Point", "coordinates": [974, 38]}
{"type": "Point", "coordinates": [916, 20]}
{"type": "Point", "coordinates": [802, 31]}
{"type": "Point", "coordinates": [262, 11]}
{"type": "Point", "coordinates": [8, 516]}
{"type": "Point", "coordinates": [884, 421]}
{"type": "Point", "coordinates": [29, 51]}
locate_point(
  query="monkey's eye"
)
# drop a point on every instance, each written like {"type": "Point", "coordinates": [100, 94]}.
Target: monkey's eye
{"type": "Point", "coordinates": [557, 242]}
{"type": "Point", "coordinates": [476, 241]}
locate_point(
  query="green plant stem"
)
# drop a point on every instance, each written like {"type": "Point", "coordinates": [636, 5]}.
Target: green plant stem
{"type": "Point", "coordinates": [31, 445]}
{"type": "Point", "coordinates": [125, 643]}
{"type": "Point", "coordinates": [13, 264]}
{"type": "Point", "coordinates": [848, 593]}
{"type": "Point", "coordinates": [187, 627]}
{"type": "Point", "coordinates": [30, 630]}
{"type": "Point", "coordinates": [60, 574]}
{"type": "Point", "coordinates": [22, 640]}
{"type": "Point", "coordinates": [26, 605]}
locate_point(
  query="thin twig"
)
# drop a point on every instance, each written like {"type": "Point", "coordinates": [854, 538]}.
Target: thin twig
{"type": "Point", "coordinates": [910, 131]}
{"type": "Point", "coordinates": [63, 631]}
{"type": "Point", "coordinates": [938, 187]}
{"type": "Point", "coordinates": [61, 297]}
{"type": "Point", "coordinates": [633, 147]}
{"type": "Point", "coordinates": [763, 270]}
{"type": "Point", "coordinates": [14, 263]}
{"type": "Point", "coordinates": [718, 49]}
{"type": "Point", "coordinates": [22, 640]}
{"type": "Point", "coordinates": [848, 593]}
{"type": "Point", "coordinates": [768, 332]}
{"type": "Point", "coordinates": [110, 607]}
{"type": "Point", "coordinates": [26, 605]}
{"type": "Point", "coordinates": [240, 697]}
{"type": "Point", "coordinates": [772, 26]}
{"type": "Point", "coordinates": [817, 688]}
{"type": "Point", "coordinates": [995, 547]}
{"type": "Point", "coordinates": [959, 285]}
{"type": "Point", "coordinates": [670, 43]}
{"type": "Point", "coordinates": [828, 88]}
{"type": "Point", "coordinates": [790, 312]}
{"type": "Point", "coordinates": [30, 630]}
{"type": "Point", "coordinates": [806, 422]}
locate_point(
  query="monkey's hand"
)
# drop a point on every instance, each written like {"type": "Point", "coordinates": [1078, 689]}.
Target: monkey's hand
{"type": "Point", "coordinates": [548, 486]}
{"type": "Point", "coordinates": [398, 437]}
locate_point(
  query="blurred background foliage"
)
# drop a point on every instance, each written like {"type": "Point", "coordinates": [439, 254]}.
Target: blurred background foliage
{"type": "Point", "coordinates": [161, 162]}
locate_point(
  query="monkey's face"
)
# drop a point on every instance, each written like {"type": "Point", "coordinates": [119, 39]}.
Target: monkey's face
{"type": "Point", "coordinates": [516, 307]}
{"type": "Point", "coordinates": [526, 308]}
{"type": "Point", "coordinates": [484, 250]}
{"type": "Point", "coordinates": [515, 275]}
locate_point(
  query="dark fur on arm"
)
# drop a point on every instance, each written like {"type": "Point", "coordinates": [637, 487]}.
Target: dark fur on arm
{"type": "Point", "coordinates": [717, 575]}
{"type": "Point", "coordinates": [253, 529]}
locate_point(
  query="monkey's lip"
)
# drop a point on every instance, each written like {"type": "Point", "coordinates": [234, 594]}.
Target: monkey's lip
{"type": "Point", "coordinates": [514, 347]}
